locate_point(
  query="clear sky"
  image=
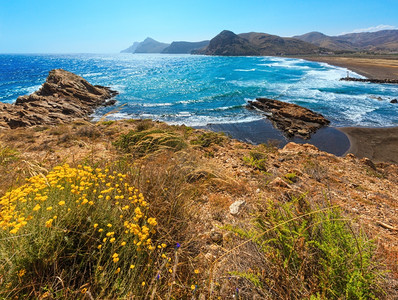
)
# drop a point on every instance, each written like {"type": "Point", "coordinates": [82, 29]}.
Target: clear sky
{"type": "Point", "coordinates": [108, 26]}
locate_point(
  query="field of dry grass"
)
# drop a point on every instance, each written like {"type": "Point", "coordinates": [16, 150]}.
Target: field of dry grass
{"type": "Point", "coordinates": [190, 178]}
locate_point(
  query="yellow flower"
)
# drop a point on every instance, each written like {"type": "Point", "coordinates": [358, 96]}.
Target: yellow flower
{"type": "Point", "coordinates": [99, 246]}
{"type": "Point", "coordinates": [36, 208]}
{"type": "Point", "coordinates": [109, 225]}
{"type": "Point", "coordinates": [49, 208]}
{"type": "Point", "coordinates": [132, 266]}
{"type": "Point", "coordinates": [193, 287]}
{"type": "Point", "coordinates": [100, 230]}
{"type": "Point", "coordinates": [104, 240]}
{"type": "Point", "coordinates": [95, 225]}
{"type": "Point", "coordinates": [112, 240]}
{"type": "Point", "coordinates": [163, 245]}
{"type": "Point", "coordinates": [123, 244]}
{"type": "Point", "coordinates": [170, 271]}
{"type": "Point", "coordinates": [115, 255]}
{"type": "Point", "coordinates": [60, 203]}
{"type": "Point", "coordinates": [143, 283]}
{"type": "Point", "coordinates": [83, 291]}
{"type": "Point", "coordinates": [115, 259]}
{"type": "Point", "coordinates": [21, 272]}
{"type": "Point", "coordinates": [117, 270]}
{"type": "Point", "coordinates": [49, 223]}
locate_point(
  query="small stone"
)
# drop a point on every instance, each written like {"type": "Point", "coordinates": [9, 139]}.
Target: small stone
{"type": "Point", "coordinates": [236, 207]}
{"type": "Point", "coordinates": [278, 182]}
{"type": "Point", "coordinates": [394, 101]}
{"type": "Point", "coordinates": [216, 237]}
{"type": "Point", "coordinates": [368, 162]}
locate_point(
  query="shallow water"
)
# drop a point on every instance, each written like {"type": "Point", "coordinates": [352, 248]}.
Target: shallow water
{"type": "Point", "coordinates": [198, 90]}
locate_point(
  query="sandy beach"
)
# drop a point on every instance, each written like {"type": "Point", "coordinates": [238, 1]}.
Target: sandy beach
{"type": "Point", "coordinates": [373, 67]}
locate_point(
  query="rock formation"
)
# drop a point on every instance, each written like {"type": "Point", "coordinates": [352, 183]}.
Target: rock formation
{"type": "Point", "coordinates": [62, 98]}
{"type": "Point", "coordinates": [392, 81]}
{"type": "Point", "coordinates": [292, 119]}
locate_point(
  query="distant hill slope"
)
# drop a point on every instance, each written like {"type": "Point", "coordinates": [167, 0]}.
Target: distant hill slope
{"type": "Point", "coordinates": [268, 44]}
{"type": "Point", "coordinates": [131, 49]}
{"type": "Point", "coordinates": [185, 47]}
{"type": "Point", "coordinates": [254, 43]}
{"type": "Point", "coordinates": [149, 45]}
{"type": "Point", "coordinates": [228, 43]}
{"type": "Point", "coordinates": [380, 41]}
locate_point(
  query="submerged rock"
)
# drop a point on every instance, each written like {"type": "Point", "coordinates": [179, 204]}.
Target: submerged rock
{"type": "Point", "coordinates": [62, 98]}
{"type": "Point", "coordinates": [292, 119]}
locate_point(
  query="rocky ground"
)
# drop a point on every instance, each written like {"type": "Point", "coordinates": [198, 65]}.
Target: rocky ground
{"type": "Point", "coordinates": [234, 188]}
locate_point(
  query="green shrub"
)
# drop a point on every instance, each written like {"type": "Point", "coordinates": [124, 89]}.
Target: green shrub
{"type": "Point", "coordinates": [209, 138]}
{"type": "Point", "coordinates": [257, 160]}
{"type": "Point", "coordinates": [311, 253]}
{"type": "Point", "coordinates": [145, 142]}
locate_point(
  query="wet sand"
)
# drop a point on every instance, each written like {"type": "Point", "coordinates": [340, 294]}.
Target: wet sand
{"type": "Point", "coordinates": [377, 144]}
{"type": "Point", "coordinates": [372, 67]}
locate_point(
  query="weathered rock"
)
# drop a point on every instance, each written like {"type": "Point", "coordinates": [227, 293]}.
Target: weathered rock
{"type": "Point", "coordinates": [62, 98]}
{"type": "Point", "coordinates": [394, 101]}
{"type": "Point", "coordinates": [235, 208]}
{"type": "Point", "coordinates": [391, 81]}
{"type": "Point", "coordinates": [292, 119]}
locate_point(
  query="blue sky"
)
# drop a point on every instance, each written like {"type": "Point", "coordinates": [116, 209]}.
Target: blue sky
{"type": "Point", "coordinates": [108, 26]}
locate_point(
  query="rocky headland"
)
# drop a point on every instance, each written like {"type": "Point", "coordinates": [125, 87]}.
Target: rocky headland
{"type": "Point", "coordinates": [292, 119]}
{"type": "Point", "coordinates": [63, 98]}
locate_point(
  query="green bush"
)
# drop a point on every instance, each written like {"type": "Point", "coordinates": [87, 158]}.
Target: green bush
{"type": "Point", "coordinates": [311, 253]}
{"type": "Point", "coordinates": [208, 138]}
{"type": "Point", "coordinates": [141, 143]}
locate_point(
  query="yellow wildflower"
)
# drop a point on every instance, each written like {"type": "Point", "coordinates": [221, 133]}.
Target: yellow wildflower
{"type": "Point", "coordinates": [117, 270]}
{"type": "Point", "coordinates": [60, 203]}
{"type": "Point", "coordinates": [37, 207]}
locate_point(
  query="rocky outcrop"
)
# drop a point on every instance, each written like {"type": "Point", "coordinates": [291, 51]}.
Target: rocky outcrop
{"type": "Point", "coordinates": [292, 119]}
{"type": "Point", "coordinates": [393, 81]}
{"type": "Point", "coordinates": [62, 98]}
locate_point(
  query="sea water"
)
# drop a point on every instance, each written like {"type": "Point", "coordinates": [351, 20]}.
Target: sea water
{"type": "Point", "coordinates": [200, 90]}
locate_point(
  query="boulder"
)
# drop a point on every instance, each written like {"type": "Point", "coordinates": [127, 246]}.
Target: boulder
{"type": "Point", "coordinates": [62, 98]}
{"type": "Point", "coordinates": [394, 101]}
{"type": "Point", "coordinates": [292, 119]}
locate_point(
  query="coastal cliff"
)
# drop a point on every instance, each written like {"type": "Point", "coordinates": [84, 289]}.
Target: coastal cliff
{"type": "Point", "coordinates": [64, 97]}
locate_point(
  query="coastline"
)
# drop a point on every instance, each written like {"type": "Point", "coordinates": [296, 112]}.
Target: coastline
{"type": "Point", "coordinates": [369, 66]}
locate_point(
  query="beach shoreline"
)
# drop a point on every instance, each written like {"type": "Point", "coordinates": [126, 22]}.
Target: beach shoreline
{"type": "Point", "coordinates": [373, 67]}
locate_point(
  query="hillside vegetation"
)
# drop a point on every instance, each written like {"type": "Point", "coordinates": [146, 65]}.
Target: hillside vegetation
{"type": "Point", "coordinates": [137, 209]}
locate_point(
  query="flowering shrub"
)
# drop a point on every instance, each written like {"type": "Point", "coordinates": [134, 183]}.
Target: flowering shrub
{"type": "Point", "coordinates": [84, 228]}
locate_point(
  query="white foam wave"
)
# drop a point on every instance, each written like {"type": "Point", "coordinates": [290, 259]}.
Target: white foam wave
{"type": "Point", "coordinates": [245, 70]}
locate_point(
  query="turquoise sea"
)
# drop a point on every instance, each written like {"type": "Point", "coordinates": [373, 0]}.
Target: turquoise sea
{"type": "Point", "coordinates": [201, 90]}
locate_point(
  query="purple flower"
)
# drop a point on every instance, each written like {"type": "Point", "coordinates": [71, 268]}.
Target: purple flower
{"type": "Point", "coordinates": [178, 246]}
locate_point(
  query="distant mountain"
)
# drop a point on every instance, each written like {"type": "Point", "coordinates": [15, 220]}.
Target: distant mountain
{"type": "Point", "coordinates": [380, 41]}
{"type": "Point", "coordinates": [275, 45]}
{"type": "Point", "coordinates": [131, 49]}
{"type": "Point", "coordinates": [253, 43]}
{"type": "Point", "coordinates": [185, 47]}
{"type": "Point", "coordinates": [324, 41]}
{"type": "Point", "coordinates": [149, 45]}
{"type": "Point", "coordinates": [228, 43]}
